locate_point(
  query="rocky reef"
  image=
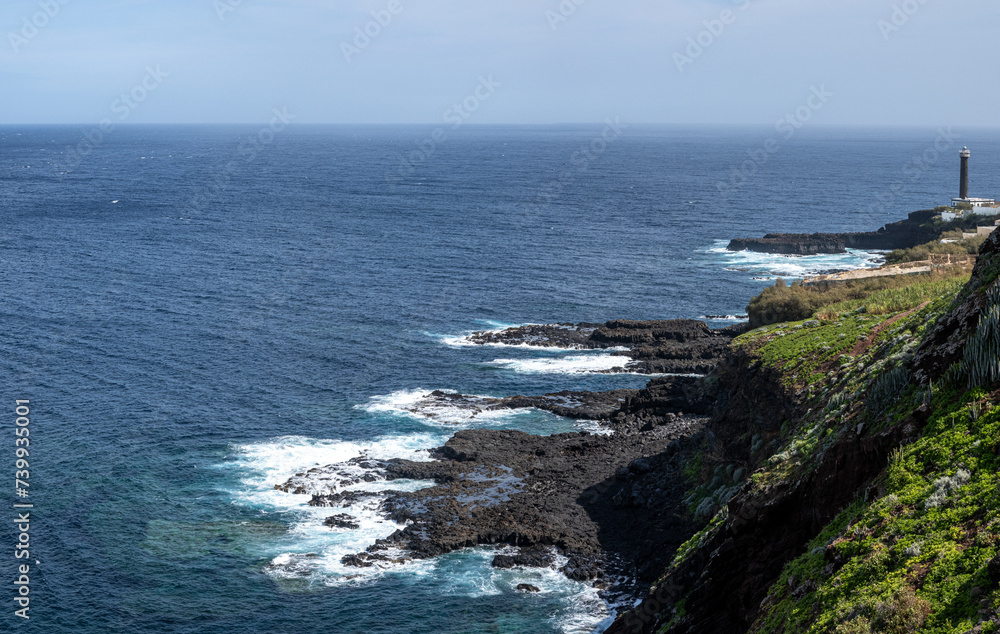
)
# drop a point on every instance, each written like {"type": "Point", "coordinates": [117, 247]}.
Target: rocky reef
{"type": "Point", "coordinates": [918, 228]}
{"type": "Point", "coordinates": [604, 502]}
{"type": "Point", "coordinates": [679, 346]}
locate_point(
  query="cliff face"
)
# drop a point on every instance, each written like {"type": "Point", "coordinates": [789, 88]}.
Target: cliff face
{"type": "Point", "coordinates": [944, 345]}
{"type": "Point", "coordinates": [725, 581]}
{"type": "Point", "coordinates": [818, 413]}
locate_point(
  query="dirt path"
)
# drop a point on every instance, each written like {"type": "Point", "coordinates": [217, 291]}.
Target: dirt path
{"type": "Point", "coordinates": [861, 346]}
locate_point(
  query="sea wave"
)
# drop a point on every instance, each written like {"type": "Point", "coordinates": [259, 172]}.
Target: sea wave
{"type": "Point", "coordinates": [309, 554]}
{"type": "Point", "coordinates": [419, 405]}
{"type": "Point", "coordinates": [573, 364]}
{"type": "Point", "coordinates": [310, 551]}
{"type": "Point", "coordinates": [733, 318]}
{"type": "Point", "coordinates": [469, 573]}
{"type": "Point", "coordinates": [770, 266]}
{"type": "Point", "coordinates": [465, 340]}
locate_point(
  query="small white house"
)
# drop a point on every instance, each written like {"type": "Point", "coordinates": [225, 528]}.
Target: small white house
{"type": "Point", "coordinates": [976, 204]}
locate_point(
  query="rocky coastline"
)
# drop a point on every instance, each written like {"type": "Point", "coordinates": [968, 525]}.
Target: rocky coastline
{"type": "Point", "coordinates": [917, 229]}
{"type": "Point", "coordinates": [704, 485]}
{"type": "Point", "coordinates": [604, 504]}
{"type": "Point", "coordinates": [679, 346]}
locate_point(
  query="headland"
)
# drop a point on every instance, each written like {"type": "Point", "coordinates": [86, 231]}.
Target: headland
{"type": "Point", "coordinates": [835, 461]}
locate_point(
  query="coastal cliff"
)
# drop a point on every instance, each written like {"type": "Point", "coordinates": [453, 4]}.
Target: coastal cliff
{"type": "Point", "coordinates": [838, 473]}
{"type": "Point", "coordinates": [870, 502]}
{"type": "Point", "coordinates": [919, 228]}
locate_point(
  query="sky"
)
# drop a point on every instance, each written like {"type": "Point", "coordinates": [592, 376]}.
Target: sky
{"type": "Point", "coordinates": [876, 62]}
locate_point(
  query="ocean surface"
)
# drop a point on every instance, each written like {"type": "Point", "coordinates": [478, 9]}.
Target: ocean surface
{"type": "Point", "coordinates": [195, 316]}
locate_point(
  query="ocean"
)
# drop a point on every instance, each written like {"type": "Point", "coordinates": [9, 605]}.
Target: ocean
{"type": "Point", "coordinates": [198, 313]}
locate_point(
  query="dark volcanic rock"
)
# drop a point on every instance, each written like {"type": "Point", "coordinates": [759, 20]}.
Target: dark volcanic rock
{"type": "Point", "coordinates": [625, 332]}
{"type": "Point", "coordinates": [513, 488]}
{"type": "Point", "coordinates": [791, 244]}
{"type": "Point", "coordinates": [661, 402]}
{"type": "Point", "coordinates": [543, 335]}
{"type": "Point", "coordinates": [608, 504]}
{"type": "Point", "coordinates": [905, 234]}
{"type": "Point", "coordinates": [581, 405]}
{"type": "Point", "coordinates": [341, 498]}
{"type": "Point", "coordinates": [679, 346]}
{"type": "Point", "coordinates": [539, 493]}
{"type": "Point", "coordinates": [534, 557]}
{"type": "Point", "coordinates": [993, 570]}
{"type": "Point", "coordinates": [527, 587]}
{"type": "Point", "coordinates": [342, 521]}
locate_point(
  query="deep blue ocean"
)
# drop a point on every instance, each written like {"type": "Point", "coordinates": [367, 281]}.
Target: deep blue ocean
{"type": "Point", "coordinates": [195, 317]}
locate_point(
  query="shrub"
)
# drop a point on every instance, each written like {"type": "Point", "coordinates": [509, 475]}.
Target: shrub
{"type": "Point", "coordinates": [860, 625]}
{"type": "Point", "coordinates": [945, 486]}
{"type": "Point", "coordinates": [904, 613]}
{"type": "Point", "coordinates": [922, 252]}
{"type": "Point", "coordinates": [879, 295]}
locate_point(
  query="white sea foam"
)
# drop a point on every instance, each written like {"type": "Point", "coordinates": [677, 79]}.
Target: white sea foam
{"type": "Point", "coordinates": [735, 318]}
{"type": "Point", "coordinates": [469, 573]}
{"type": "Point", "coordinates": [792, 266]}
{"type": "Point", "coordinates": [465, 340]}
{"type": "Point", "coordinates": [309, 554]}
{"type": "Point", "coordinates": [418, 404]}
{"type": "Point", "coordinates": [594, 427]}
{"type": "Point", "coordinates": [310, 551]}
{"type": "Point", "coordinates": [573, 364]}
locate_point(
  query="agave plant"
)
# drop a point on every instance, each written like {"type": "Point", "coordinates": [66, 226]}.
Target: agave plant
{"type": "Point", "coordinates": [887, 390]}
{"type": "Point", "coordinates": [981, 360]}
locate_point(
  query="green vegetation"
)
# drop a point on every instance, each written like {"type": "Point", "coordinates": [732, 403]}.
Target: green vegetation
{"type": "Point", "coordinates": [912, 556]}
{"type": "Point", "coordinates": [845, 371]}
{"type": "Point", "coordinates": [838, 368]}
{"type": "Point", "coordinates": [980, 364]}
{"type": "Point", "coordinates": [967, 223]}
{"type": "Point", "coordinates": [898, 299]}
{"type": "Point", "coordinates": [782, 303]}
{"type": "Point", "coordinates": [915, 558]}
{"type": "Point", "coordinates": [919, 549]}
{"type": "Point", "coordinates": [960, 247]}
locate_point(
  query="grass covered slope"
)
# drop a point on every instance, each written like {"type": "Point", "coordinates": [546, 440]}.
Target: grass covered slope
{"type": "Point", "coordinates": [921, 554]}
{"type": "Point", "coordinates": [801, 469]}
{"type": "Point", "coordinates": [920, 551]}
{"type": "Point", "coordinates": [950, 243]}
{"type": "Point", "coordinates": [871, 503]}
{"type": "Point", "coordinates": [783, 302]}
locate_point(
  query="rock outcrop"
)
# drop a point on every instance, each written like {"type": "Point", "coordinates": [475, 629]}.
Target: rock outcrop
{"type": "Point", "coordinates": [679, 346]}
{"type": "Point", "coordinates": [571, 404]}
{"type": "Point", "coordinates": [608, 503]}
{"type": "Point", "coordinates": [725, 580]}
{"type": "Point", "coordinates": [905, 234]}
{"type": "Point", "coordinates": [792, 244]}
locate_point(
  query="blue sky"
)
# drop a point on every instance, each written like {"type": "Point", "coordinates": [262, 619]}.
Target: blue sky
{"type": "Point", "coordinates": [551, 61]}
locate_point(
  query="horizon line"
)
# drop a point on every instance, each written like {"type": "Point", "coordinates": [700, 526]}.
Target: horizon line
{"type": "Point", "coordinates": [505, 124]}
